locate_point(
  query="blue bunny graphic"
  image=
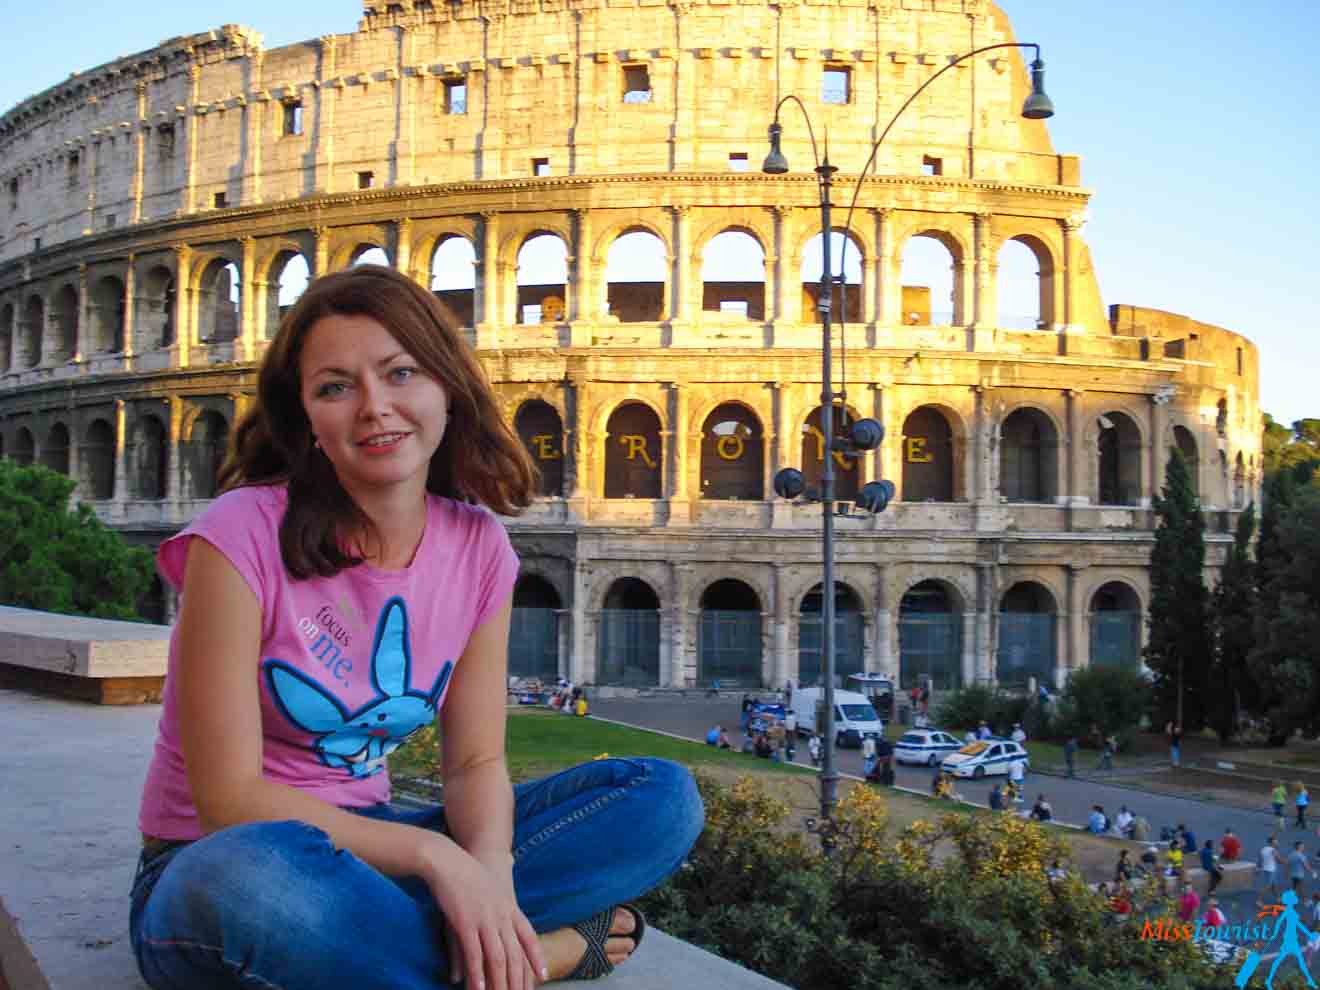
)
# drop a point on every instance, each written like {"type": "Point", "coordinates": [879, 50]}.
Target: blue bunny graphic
{"type": "Point", "coordinates": [359, 741]}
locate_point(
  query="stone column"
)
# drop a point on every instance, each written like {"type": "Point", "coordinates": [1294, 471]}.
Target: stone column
{"type": "Point", "coordinates": [985, 313]}
{"type": "Point", "coordinates": [785, 307]}
{"type": "Point", "coordinates": [987, 581]}
{"type": "Point", "coordinates": [680, 285]}
{"type": "Point", "coordinates": [876, 462]}
{"type": "Point", "coordinates": [80, 339]}
{"type": "Point", "coordinates": [1077, 620]}
{"type": "Point", "coordinates": [884, 661]}
{"type": "Point", "coordinates": [963, 290]}
{"type": "Point", "coordinates": [677, 487]}
{"type": "Point", "coordinates": [783, 663]}
{"type": "Point", "coordinates": [489, 291]}
{"type": "Point", "coordinates": [130, 310]}
{"type": "Point", "coordinates": [190, 152]}
{"type": "Point", "coordinates": [139, 152]}
{"type": "Point", "coordinates": [247, 329]}
{"type": "Point", "coordinates": [174, 475]}
{"type": "Point", "coordinates": [679, 627]}
{"type": "Point", "coordinates": [322, 144]}
{"type": "Point", "coordinates": [182, 306]}
{"type": "Point", "coordinates": [1077, 452]}
{"type": "Point", "coordinates": [254, 115]}
{"type": "Point", "coordinates": [403, 247]}
{"type": "Point", "coordinates": [577, 484]}
{"type": "Point", "coordinates": [579, 662]}
{"type": "Point", "coordinates": [581, 306]}
{"type": "Point", "coordinates": [889, 292]}
{"type": "Point", "coordinates": [1064, 293]}
{"type": "Point", "coordinates": [319, 262]}
{"type": "Point", "coordinates": [1158, 450]}
{"type": "Point", "coordinates": [405, 113]}
{"type": "Point", "coordinates": [121, 492]}
{"type": "Point", "coordinates": [969, 654]}
{"type": "Point", "coordinates": [785, 455]}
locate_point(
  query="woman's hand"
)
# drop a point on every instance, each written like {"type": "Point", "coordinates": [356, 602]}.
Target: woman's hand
{"type": "Point", "coordinates": [492, 945]}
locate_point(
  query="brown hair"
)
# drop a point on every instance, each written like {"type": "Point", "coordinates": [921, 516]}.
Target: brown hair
{"type": "Point", "coordinates": [479, 460]}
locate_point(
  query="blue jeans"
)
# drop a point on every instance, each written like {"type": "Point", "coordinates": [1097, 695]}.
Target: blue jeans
{"type": "Point", "coordinates": [275, 904]}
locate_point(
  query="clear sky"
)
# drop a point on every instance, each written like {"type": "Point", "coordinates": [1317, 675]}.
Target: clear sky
{"type": "Point", "coordinates": [1198, 124]}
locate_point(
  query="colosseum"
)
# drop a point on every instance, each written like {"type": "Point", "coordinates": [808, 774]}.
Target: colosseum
{"type": "Point", "coordinates": [573, 178]}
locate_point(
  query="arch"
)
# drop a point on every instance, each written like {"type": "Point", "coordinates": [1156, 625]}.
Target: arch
{"type": "Point", "coordinates": [542, 279]}
{"type": "Point", "coordinates": [1025, 284]}
{"type": "Point", "coordinates": [635, 283]}
{"type": "Point", "coordinates": [732, 454]}
{"type": "Point", "coordinates": [98, 460]}
{"type": "Point", "coordinates": [846, 299]}
{"type": "Point", "coordinates": [733, 275]}
{"type": "Point", "coordinates": [1118, 460]}
{"type": "Point", "coordinates": [847, 470]}
{"type": "Point", "coordinates": [542, 432]}
{"type": "Point", "coordinates": [930, 636]}
{"type": "Point", "coordinates": [1185, 443]}
{"type": "Point", "coordinates": [6, 336]}
{"type": "Point", "coordinates": [30, 332]}
{"type": "Point", "coordinates": [1028, 625]}
{"type": "Point", "coordinates": [931, 276]}
{"type": "Point", "coordinates": [729, 648]}
{"type": "Point", "coordinates": [1028, 457]}
{"type": "Point", "coordinates": [64, 320]}
{"type": "Point", "coordinates": [149, 458]}
{"type": "Point", "coordinates": [1115, 617]}
{"type": "Point", "coordinates": [55, 451]}
{"type": "Point", "coordinates": [289, 275]}
{"type": "Point", "coordinates": [105, 315]}
{"type": "Point", "coordinates": [25, 447]}
{"type": "Point", "coordinates": [929, 456]}
{"type": "Point", "coordinates": [629, 642]}
{"type": "Point", "coordinates": [369, 254]}
{"type": "Point", "coordinates": [219, 302]}
{"type": "Point", "coordinates": [534, 629]}
{"type": "Point", "coordinates": [849, 635]}
{"type": "Point", "coordinates": [208, 445]}
{"type": "Point", "coordinates": [454, 277]}
{"type": "Point", "coordinates": [154, 325]}
{"type": "Point", "coordinates": [634, 452]}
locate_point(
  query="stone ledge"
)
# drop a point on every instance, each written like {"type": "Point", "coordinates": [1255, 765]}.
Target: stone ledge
{"type": "Point", "coordinates": [69, 845]}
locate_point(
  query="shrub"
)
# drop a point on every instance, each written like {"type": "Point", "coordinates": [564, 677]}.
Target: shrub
{"type": "Point", "coordinates": [1100, 700]}
{"type": "Point", "coordinates": [967, 707]}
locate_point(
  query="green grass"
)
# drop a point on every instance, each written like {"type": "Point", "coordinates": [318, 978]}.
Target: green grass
{"type": "Point", "coordinates": [540, 742]}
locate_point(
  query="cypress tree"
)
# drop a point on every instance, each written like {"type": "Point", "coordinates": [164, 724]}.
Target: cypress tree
{"type": "Point", "coordinates": [1179, 647]}
{"type": "Point", "coordinates": [1233, 616]}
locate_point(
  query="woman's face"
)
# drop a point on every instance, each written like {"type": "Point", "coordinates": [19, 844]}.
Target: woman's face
{"type": "Point", "coordinates": [376, 414]}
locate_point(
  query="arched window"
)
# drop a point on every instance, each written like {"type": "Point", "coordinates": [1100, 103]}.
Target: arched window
{"type": "Point", "coordinates": [106, 316]}
{"type": "Point", "coordinates": [1028, 457]}
{"type": "Point", "coordinates": [6, 336]}
{"type": "Point", "coordinates": [730, 637]}
{"type": "Point", "coordinates": [218, 302]}
{"type": "Point", "coordinates": [848, 636]}
{"type": "Point", "coordinates": [733, 276]}
{"type": "Point", "coordinates": [1239, 482]}
{"type": "Point", "coordinates": [1027, 617]}
{"type": "Point", "coordinates": [543, 280]}
{"type": "Point", "coordinates": [534, 629]}
{"type": "Point", "coordinates": [1115, 626]}
{"type": "Point", "coordinates": [930, 281]}
{"type": "Point", "coordinates": [98, 460]}
{"type": "Point", "coordinates": [538, 425]}
{"type": "Point", "coordinates": [55, 451]}
{"type": "Point", "coordinates": [65, 323]}
{"type": "Point", "coordinates": [454, 278]}
{"type": "Point", "coordinates": [369, 254]}
{"type": "Point", "coordinates": [1186, 444]}
{"type": "Point", "coordinates": [1025, 285]}
{"type": "Point", "coordinates": [151, 459]}
{"type": "Point", "coordinates": [633, 455]}
{"type": "Point", "coordinates": [1120, 460]}
{"type": "Point", "coordinates": [635, 278]}
{"type": "Point", "coordinates": [929, 638]}
{"type": "Point", "coordinates": [34, 325]}
{"type": "Point", "coordinates": [291, 273]}
{"type": "Point", "coordinates": [25, 447]}
{"type": "Point", "coordinates": [843, 307]}
{"type": "Point", "coordinates": [155, 317]}
{"type": "Point", "coordinates": [814, 447]}
{"type": "Point", "coordinates": [207, 448]}
{"type": "Point", "coordinates": [928, 457]}
{"type": "Point", "coordinates": [629, 648]}
{"type": "Point", "coordinates": [732, 454]}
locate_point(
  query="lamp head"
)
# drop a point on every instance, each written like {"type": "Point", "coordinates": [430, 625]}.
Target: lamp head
{"type": "Point", "coordinates": [775, 163]}
{"type": "Point", "coordinates": [789, 483]}
{"type": "Point", "coordinates": [1038, 106]}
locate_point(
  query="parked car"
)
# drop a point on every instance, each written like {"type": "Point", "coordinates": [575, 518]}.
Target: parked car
{"type": "Point", "coordinates": [854, 718]}
{"type": "Point", "coordinates": [928, 746]}
{"type": "Point", "coordinates": [985, 757]}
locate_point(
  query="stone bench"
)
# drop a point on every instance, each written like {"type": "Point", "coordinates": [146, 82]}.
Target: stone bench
{"type": "Point", "coordinates": [69, 845]}
{"type": "Point", "coordinates": [98, 660]}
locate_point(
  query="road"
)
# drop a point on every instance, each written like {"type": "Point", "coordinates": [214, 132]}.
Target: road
{"type": "Point", "coordinates": [1071, 798]}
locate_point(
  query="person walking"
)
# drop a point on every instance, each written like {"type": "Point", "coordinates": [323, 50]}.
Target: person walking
{"type": "Point", "coordinates": [1299, 866]}
{"type": "Point", "coordinates": [1070, 756]}
{"type": "Point", "coordinates": [1188, 903]}
{"type": "Point", "coordinates": [1107, 754]}
{"type": "Point", "coordinates": [1269, 868]}
{"type": "Point", "coordinates": [1175, 732]}
{"type": "Point", "coordinates": [1278, 797]}
{"type": "Point", "coordinates": [868, 756]}
{"type": "Point", "coordinates": [1016, 777]}
{"type": "Point", "coordinates": [813, 748]}
{"type": "Point", "coordinates": [1210, 863]}
{"type": "Point", "coordinates": [1303, 801]}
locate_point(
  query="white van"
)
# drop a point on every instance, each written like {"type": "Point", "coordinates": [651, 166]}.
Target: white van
{"type": "Point", "coordinates": [854, 718]}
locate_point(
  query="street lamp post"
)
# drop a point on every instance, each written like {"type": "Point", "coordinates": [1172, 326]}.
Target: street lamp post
{"type": "Point", "coordinates": [865, 434]}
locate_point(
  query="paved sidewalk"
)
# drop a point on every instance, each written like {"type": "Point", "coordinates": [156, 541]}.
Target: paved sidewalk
{"type": "Point", "coordinates": [69, 845]}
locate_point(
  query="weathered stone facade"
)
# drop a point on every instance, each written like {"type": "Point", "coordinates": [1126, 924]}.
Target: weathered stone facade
{"type": "Point", "coordinates": [153, 205]}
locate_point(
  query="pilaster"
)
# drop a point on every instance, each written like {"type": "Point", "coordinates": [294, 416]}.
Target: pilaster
{"type": "Point", "coordinates": [247, 328]}
{"type": "Point", "coordinates": [183, 294]}
{"type": "Point", "coordinates": [139, 153]}
{"type": "Point", "coordinates": [677, 490]}
{"type": "Point", "coordinates": [783, 664]}
{"type": "Point", "coordinates": [679, 626]}
{"type": "Point", "coordinates": [489, 291]}
{"type": "Point", "coordinates": [130, 311]}
{"type": "Point", "coordinates": [680, 306]}
{"type": "Point", "coordinates": [174, 474]}
{"type": "Point", "coordinates": [786, 305]}
{"type": "Point", "coordinates": [582, 305]}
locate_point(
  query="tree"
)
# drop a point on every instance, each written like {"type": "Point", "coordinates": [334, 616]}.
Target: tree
{"type": "Point", "coordinates": [1098, 701]}
{"type": "Point", "coordinates": [1178, 650]}
{"type": "Point", "coordinates": [62, 559]}
{"type": "Point", "coordinates": [1286, 447]}
{"type": "Point", "coordinates": [1233, 614]}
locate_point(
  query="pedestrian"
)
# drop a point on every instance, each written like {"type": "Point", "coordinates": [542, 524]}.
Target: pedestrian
{"type": "Point", "coordinates": [1303, 801]}
{"type": "Point", "coordinates": [1269, 868]}
{"type": "Point", "coordinates": [1213, 917]}
{"type": "Point", "coordinates": [1278, 796]}
{"type": "Point", "coordinates": [1070, 755]}
{"type": "Point", "coordinates": [1299, 866]}
{"type": "Point", "coordinates": [1107, 754]}
{"type": "Point", "coordinates": [1123, 868]}
{"type": "Point", "coordinates": [1150, 858]}
{"type": "Point", "coordinates": [1016, 776]}
{"type": "Point", "coordinates": [813, 748]}
{"type": "Point", "coordinates": [996, 798]}
{"type": "Point", "coordinates": [1041, 810]}
{"type": "Point", "coordinates": [713, 735]}
{"type": "Point", "coordinates": [1188, 838]}
{"type": "Point", "coordinates": [1175, 733]}
{"type": "Point", "coordinates": [1018, 735]}
{"type": "Point", "coordinates": [1210, 863]}
{"type": "Point", "coordinates": [1123, 822]}
{"type": "Point", "coordinates": [1096, 823]}
{"type": "Point", "coordinates": [1140, 829]}
{"type": "Point", "coordinates": [1315, 910]}
{"type": "Point", "coordinates": [1188, 903]}
{"type": "Point", "coordinates": [983, 730]}
{"type": "Point", "coordinates": [868, 756]}
{"type": "Point", "coordinates": [788, 692]}
{"type": "Point", "coordinates": [1230, 847]}
{"type": "Point", "coordinates": [969, 736]}
{"type": "Point", "coordinates": [1174, 857]}
{"type": "Point", "coordinates": [925, 698]}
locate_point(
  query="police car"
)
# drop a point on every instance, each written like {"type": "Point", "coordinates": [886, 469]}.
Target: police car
{"type": "Point", "coordinates": [927, 746]}
{"type": "Point", "coordinates": [985, 756]}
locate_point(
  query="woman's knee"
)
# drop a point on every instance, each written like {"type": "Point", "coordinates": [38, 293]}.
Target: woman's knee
{"type": "Point", "coordinates": [672, 793]}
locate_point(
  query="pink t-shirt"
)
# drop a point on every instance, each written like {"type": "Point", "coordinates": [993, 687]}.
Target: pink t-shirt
{"type": "Point", "coordinates": [351, 665]}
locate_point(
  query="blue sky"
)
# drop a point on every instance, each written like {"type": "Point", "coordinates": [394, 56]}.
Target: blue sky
{"type": "Point", "coordinates": [1197, 122]}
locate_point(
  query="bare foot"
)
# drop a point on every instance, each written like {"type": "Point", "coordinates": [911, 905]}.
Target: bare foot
{"type": "Point", "coordinates": [564, 947]}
